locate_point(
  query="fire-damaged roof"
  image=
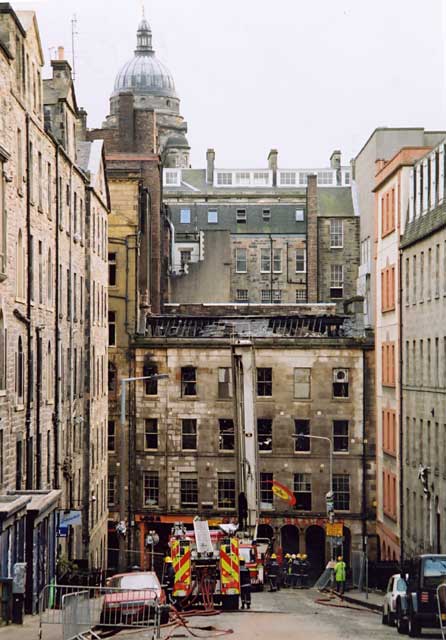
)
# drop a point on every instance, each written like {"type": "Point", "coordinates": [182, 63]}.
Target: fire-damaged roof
{"type": "Point", "coordinates": [280, 326]}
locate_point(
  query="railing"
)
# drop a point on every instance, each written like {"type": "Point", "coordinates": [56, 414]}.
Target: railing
{"type": "Point", "coordinates": [78, 610]}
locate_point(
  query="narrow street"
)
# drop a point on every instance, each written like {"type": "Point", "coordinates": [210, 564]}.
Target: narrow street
{"type": "Point", "coordinates": [288, 614]}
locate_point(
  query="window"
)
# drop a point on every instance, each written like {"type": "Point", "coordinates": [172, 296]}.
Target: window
{"type": "Point", "coordinates": [243, 178]}
{"type": "Point", "coordinates": [301, 295]}
{"type": "Point", "coordinates": [302, 383]}
{"type": "Point", "coordinates": [266, 490]}
{"type": "Point", "coordinates": [226, 492]}
{"type": "Point", "coordinates": [112, 328]}
{"type": "Point", "coordinates": [3, 352]}
{"type": "Point", "coordinates": [226, 434]}
{"type": "Point", "coordinates": [212, 216]}
{"type": "Point", "coordinates": [189, 434]}
{"type": "Point", "coordinates": [151, 433]}
{"type": "Point", "coordinates": [302, 443]}
{"type": "Point", "coordinates": [185, 257]}
{"type": "Point", "coordinates": [31, 172]}
{"type": "Point", "coordinates": [277, 296]}
{"type": "Point", "coordinates": [389, 431]}
{"type": "Point", "coordinates": [112, 378]}
{"type": "Point", "coordinates": [287, 178]}
{"type": "Point", "coordinates": [336, 234]}
{"type": "Point", "coordinates": [69, 296]}
{"type": "Point", "coordinates": [302, 491]}
{"type": "Point", "coordinates": [224, 179]}
{"type": "Point", "coordinates": [340, 383]}
{"type": "Point", "coordinates": [388, 363]}
{"type": "Point", "coordinates": [266, 296]}
{"type": "Point", "coordinates": [265, 434]}
{"type": "Point", "coordinates": [264, 381]}
{"type": "Point", "coordinates": [111, 490]}
{"type": "Point", "coordinates": [336, 281]}
{"type": "Point", "coordinates": [40, 178]}
{"type": "Point", "coordinates": [19, 161]}
{"type": "Point", "coordinates": [301, 260]}
{"type": "Point", "coordinates": [20, 271]}
{"type": "Point", "coordinates": [49, 189]}
{"type": "Point", "coordinates": [300, 215]}
{"type": "Point", "coordinates": [3, 225]}
{"type": "Point", "coordinates": [266, 214]}
{"type": "Point", "coordinates": [188, 381]}
{"type": "Point", "coordinates": [112, 269]}
{"type": "Point", "coordinates": [20, 371]}
{"type": "Point", "coordinates": [49, 281]}
{"type": "Point", "coordinates": [241, 216]}
{"type": "Point", "coordinates": [388, 289]}
{"type": "Point", "coordinates": [265, 261]}
{"type": "Point", "coordinates": [185, 216]}
{"type": "Point", "coordinates": [111, 437]}
{"type": "Point", "coordinates": [40, 272]}
{"type": "Point", "coordinates": [49, 374]}
{"type": "Point", "coordinates": [151, 489]}
{"type": "Point", "coordinates": [150, 386]}
{"type": "Point", "coordinates": [277, 260]}
{"type": "Point", "coordinates": [224, 382]}
{"type": "Point", "coordinates": [189, 492]}
{"type": "Point", "coordinates": [241, 263]}
{"type": "Point", "coordinates": [242, 295]}
{"type": "Point", "coordinates": [340, 435]}
{"type": "Point", "coordinates": [341, 489]}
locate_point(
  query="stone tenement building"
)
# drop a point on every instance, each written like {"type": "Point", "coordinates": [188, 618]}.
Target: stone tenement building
{"type": "Point", "coordinates": [273, 235]}
{"type": "Point", "coordinates": [423, 341]}
{"type": "Point", "coordinates": [392, 195]}
{"type": "Point", "coordinates": [382, 145]}
{"type": "Point", "coordinates": [53, 306]}
{"type": "Point", "coordinates": [313, 372]}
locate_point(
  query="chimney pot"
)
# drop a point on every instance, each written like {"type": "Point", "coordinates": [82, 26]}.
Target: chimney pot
{"type": "Point", "coordinates": [210, 166]}
{"type": "Point", "coordinates": [273, 159]}
{"type": "Point", "coordinates": [60, 53]}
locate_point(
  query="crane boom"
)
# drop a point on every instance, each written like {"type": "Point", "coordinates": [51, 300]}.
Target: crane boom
{"type": "Point", "coordinates": [244, 385]}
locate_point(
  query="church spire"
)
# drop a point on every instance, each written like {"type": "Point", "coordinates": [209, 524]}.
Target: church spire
{"type": "Point", "coordinates": [144, 37]}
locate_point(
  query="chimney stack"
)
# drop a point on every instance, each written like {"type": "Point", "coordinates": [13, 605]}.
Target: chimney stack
{"type": "Point", "coordinates": [81, 125]}
{"type": "Point", "coordinates": [335, 159]}
{"type": "Point", "coordinates": [60, 53]}
{"type": "Point", "coordinates": [273, 159]}
{"type": "Point", "coordinates": [210, 166]}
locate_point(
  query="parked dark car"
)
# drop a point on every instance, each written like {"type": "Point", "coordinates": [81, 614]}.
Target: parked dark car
{"type": "Point", "coordinates": [418, 609]}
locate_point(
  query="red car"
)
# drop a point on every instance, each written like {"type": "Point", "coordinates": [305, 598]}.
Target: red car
{"type": "Point", "coordinates": [132, 600]}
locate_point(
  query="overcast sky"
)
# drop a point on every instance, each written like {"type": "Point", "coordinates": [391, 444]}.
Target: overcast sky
{"type": "Point", "coordinates": [304, 76]}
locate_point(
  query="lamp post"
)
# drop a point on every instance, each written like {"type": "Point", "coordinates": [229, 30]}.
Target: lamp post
{"type": "Point", "coordinates": [121, 527]}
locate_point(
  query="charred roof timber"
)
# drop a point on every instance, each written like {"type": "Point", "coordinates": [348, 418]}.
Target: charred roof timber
{"type": "Point", "coordinates": [250, 327]}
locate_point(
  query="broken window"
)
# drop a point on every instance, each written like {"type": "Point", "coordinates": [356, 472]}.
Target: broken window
{"type": "Point", "coordinates": [301, 430]}
{"type": "Point", "coordinates": [224, 382]}
{"type": "Point", "coordinates": [265, 434]}
{"type": "Point", "coordinates": [226, 434]}
{"type": "Point", "coordinates": [264, 381]}
{"type": "Point", "coordinates": [188, 381]}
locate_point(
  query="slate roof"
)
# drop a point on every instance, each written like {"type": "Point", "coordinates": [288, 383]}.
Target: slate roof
{"type": "Point", "coordinates": [424, 226]}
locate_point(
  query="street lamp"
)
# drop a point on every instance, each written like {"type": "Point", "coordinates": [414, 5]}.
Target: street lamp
{"type": "Point", "coordinates": [121, 527]}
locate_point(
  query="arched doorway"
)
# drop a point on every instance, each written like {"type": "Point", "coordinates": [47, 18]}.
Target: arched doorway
{"type": "Point", "coordinates": [315, 550]}
{"type": "Point", "coordinates": [265, 531]}
{"type": "Point", "coordinates": [289, 535]}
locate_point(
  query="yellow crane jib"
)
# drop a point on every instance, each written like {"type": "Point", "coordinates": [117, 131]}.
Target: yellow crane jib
{"type": "Point", "coordinates": [230, 568]}
{"type": "Point", "coordinates": [181, 562]}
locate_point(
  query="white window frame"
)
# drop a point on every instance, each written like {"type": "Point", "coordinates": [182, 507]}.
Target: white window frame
{"type": "Point", "coordinates": [336, 235]}
{"type": "Point", "coordinates": [299, 215]}
{"type": "Point", "coordinates": [172, 178]}
{"type": "Point", "coordinates": [265, 257]}
{"type": "Point", "coordinates": [241, 216]}
{"type": "Point", "coordinates": [184, 210]}
{"type": "Point", "coordinates": [237, 251]}
{"type": "Point", "coordinates": [305, 260]}
{"type": "Point", "coordinates": [214, 213]}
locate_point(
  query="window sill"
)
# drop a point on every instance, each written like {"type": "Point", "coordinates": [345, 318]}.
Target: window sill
{"type": "Point", "coordinates": [20, 192]}
{"type": "Point", "coordinates": [19, 407]}
{"type": "Point", "coordinates": [3, 277]}
{"type": "Point", "coordinates": [3, 393]}
{"type": "Point", "coordinates": [331, 248]}
{"type": "Point", "coordinates": [341, 453]}
{"type": "Point", "coordinates": [302, 399]}
{"type": "Point", "coordinates": [389, 452]}
{"type": "Point", "coordinates": [342, 399]}
{"type": "Point", "coordinates": [20, 301]}
{"type": "Point", "coordinates": [40, 209]}
{"type": "Point", "coordinates": [50, 402]}
{"type": "Point", "coordinates": [302, 453]}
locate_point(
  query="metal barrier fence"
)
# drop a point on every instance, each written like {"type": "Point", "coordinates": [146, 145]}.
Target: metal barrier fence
{"type": "Point", "coordinates": [441, 602]}
{"type": "Point", "coordinates": [358, 562]}
{"type": "Point", "coordinates": [80, 610]}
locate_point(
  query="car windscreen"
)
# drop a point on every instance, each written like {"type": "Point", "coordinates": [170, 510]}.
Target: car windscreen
{"type": "Point", "coordinates": [245, 553]}
{"type": "Point", "coordinates": [145, 581]}
{"type": "Point", "coordinates": [434, 571]}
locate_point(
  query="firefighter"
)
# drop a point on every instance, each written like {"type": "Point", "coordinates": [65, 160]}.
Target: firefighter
{"type": "Point", "coordinates": [272, 570]}
{"type": "Point", "coordinates": [340, 571]}
{"type": "Point", "coordinates": [295, 571]}
{"type": "Point", "coordinates": [285, 568]}
{"type": "Point", "coordinates": [169, 578]}
{"type": "Point", "coordinates": [305, 569]}
{"type": "Point", "coordinates": [245, 584]}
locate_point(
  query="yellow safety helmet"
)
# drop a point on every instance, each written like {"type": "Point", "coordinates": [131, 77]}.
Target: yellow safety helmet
{"type": "Point", "coordinates": [273, 556]}
{"type": "Point", "coordinates": [293, 556]}
{"type": "Point", "coordinates": [304, 556]}
{"type": "Point", "coordinates": [168, 560]}
{"type": "Point", "coordinates": [299, 556]}
{"type": "Point", "coordinates": [287, 555]}
{"type": "Point", "coordinates": [241, 558]}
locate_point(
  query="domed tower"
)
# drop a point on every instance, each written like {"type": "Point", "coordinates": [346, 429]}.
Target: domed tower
{"type": "Point", "coordinates": [150, 84]}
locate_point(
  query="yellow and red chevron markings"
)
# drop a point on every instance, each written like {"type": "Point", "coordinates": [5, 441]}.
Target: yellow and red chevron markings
{"type": "Point", "coordinates": [230, 567]}
{"type": "Point", "coordinates": [181, 561]}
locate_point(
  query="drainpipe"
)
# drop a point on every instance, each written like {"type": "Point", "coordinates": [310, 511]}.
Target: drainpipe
{"type": "Point", "coordinates": [364, 457]}
{"type": "Point", "coordinates": [400, 389]}
{"type": "Point", "coordinates": [29, 386]}
{"type": "Point", "coordinates": [271, 268]}
{"type": "Point", "coordinates": [58, 302]}
{"type": "Point", "coordinates": [38, 403]}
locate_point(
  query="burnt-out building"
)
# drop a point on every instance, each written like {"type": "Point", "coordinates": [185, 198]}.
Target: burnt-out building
{"type": "Point", "coordinates": [312, 376]}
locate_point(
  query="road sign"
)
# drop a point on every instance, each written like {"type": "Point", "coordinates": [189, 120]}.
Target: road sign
{"type": "Point", "coordinates": [334, 529]}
